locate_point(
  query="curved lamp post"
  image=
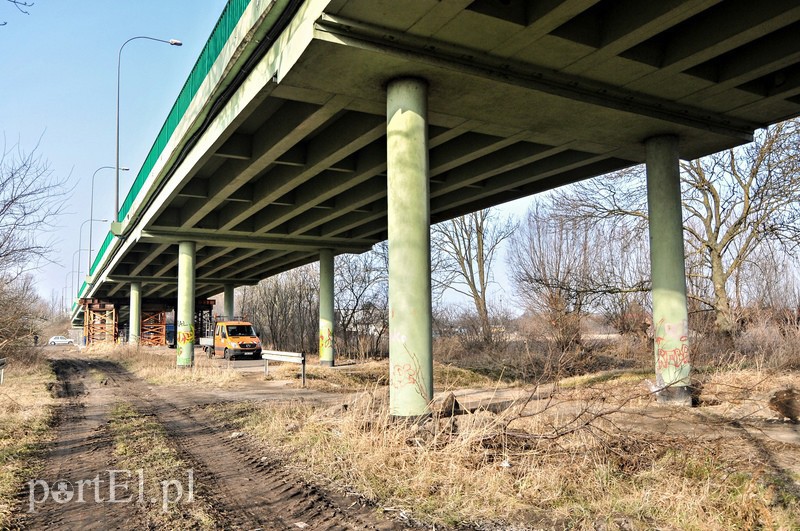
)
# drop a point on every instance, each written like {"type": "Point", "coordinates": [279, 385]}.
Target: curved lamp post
{"type": "Point", "coordinates": [91, 213]}
{"type": "Point", "coordinates": [171, 42]}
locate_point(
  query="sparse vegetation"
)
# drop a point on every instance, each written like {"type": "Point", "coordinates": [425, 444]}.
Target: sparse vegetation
{"type": "Point", "coordinates": [157, 366]}
{"type": "Point", "coordinates": [141, 443]}
{"type": "Point", "coordinates": [573, 459]}
{"type": "Point", "coordinates": [356, 377]}
{"type": "Point", "coordinates": [26, 418]}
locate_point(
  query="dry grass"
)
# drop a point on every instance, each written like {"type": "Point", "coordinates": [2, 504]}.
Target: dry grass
{"type": "Point", "coordinates": [569, 462]}
{"type": "Point", "coordinates": [157, 365]}
{"type": "Point", "coordinates": [26, 419]}
{"type": "Point", "coordinates": [141, 443]}
{"type": "Point", "coordinates": [354, 377]}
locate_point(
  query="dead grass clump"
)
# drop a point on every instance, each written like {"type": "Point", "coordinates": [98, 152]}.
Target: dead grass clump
{"type": "Point", "coordinates": [26, 420]}
{"type": "Point", "coordinates": [565, 461]}
{"type": "Point", "coordinates": [510, 363]}
{"type": "Point", "coordinates": [355, 377]}
{"type": "Point", "coordinates": [25, 360]}
{"type": "Point", "coordinates": [158, 366]}
{"type": "Point", "coordinates": [770, 346]}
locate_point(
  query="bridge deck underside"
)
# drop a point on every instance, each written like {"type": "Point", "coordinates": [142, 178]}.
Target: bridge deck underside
{"type": "Point", "coordinates": [523, 97]}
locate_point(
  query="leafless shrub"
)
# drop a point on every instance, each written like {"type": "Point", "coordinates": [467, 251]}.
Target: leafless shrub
{"type": "Point", "coordinates": [466, 248]}
{"type": "Point", "coordinates": [285, 309]}
{"type": "Point", "coordinates": [361, 295]}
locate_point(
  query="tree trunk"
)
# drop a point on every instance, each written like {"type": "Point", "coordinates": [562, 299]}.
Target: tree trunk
{"type": "Point", "coordinates": [724, 322]}
{"type": "Point", "coordinates": [483, 317]}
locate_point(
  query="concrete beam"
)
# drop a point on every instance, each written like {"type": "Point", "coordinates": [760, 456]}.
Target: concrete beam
{"type": "Point", "coordinates": [250, 241]}
{"type": "Point", "coordinates": [135, 314]}
{"type": "Point", "coordinates": [354, 33]}
{"type": "Point", "coordinates": [186, 293]}
{"type": "Point", "coordinates": [218, 281]}
{"type": "Point", "coordinates": [238, 146]}
{"type": "Point", "coordinates": [288, 126]}
{"type": "Point", "coordinates": [670, 314]}
{"type": "Point", "coordinates": [326, 308]}
{"type": "Point", "coordinates": [410, 340]}
{"type": "Point", "coordinates": [352, 132]}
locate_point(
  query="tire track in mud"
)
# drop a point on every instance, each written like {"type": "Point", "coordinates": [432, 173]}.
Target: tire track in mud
{"type": "Point", "coordinates": [245, 487]}
{"type": "Point", "coordinates": [82, 449]}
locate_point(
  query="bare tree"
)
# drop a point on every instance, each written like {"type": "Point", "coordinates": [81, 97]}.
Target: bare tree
{"type": "Point", "coordinates": [23, 314]}
{"type": "Point", "coordinates": [362, 301]}
{"type": "Point", "coordinates": [550, 264]}
{"type": "Point", "coordinates": [468, 246]}
{"type": "Point", "coordinates": [734, 202]}
{"type": "Point", "coordinates": [564, 266]}
{"type": "Point", "coordinates": [31, 198]}
{"type": "Point", "coordinates": [21, 6]}
{"type": "Point", "coordinates": [285, 308]}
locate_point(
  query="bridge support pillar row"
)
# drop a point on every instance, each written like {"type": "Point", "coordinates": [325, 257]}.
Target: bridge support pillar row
{"type": "Point", "coordinates": [185, 326]}
{"type": "Point", "coordinates": [668, 271]}
{"type": "Point", "coordinates": [410, 349]}
{"type": "Point", "coordinates": [135, 324]}
{"type": "Point", "coordinates": [228, 296]}
{"type": "Point", "coordinates": [326, 312]}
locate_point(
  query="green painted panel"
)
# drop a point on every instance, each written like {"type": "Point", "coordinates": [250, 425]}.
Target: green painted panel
{"type": "Point", "coordinates": [222, 31]}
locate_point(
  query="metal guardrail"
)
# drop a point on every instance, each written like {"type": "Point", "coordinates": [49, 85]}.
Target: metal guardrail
{"type": "Point", "coordinates": [289, 357]}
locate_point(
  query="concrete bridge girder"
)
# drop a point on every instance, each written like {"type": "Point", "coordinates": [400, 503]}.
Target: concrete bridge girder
{"type": "Point", "coordinates": [521, 97]}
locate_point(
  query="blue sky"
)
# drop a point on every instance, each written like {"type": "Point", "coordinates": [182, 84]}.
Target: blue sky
{"type": "Point", "coordinates": [58, 75]}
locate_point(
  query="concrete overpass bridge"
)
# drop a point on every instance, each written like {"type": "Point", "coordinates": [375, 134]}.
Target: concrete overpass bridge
{"type": "Point", "coordinates": [317, 127]}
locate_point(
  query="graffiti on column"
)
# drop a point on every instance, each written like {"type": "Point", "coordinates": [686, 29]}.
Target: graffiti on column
{"type": "Point", "coordinates": [404, 374]}
{"type": "Point", "coordinates": [672, 348]}
{"type": "Point", "coordinates": [185, 334]}
{"type": "Point", "coordinates": [325, 339]}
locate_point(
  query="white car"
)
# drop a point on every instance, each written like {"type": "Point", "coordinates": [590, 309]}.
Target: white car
{"type": "Point", "coordinates": [60, 340]}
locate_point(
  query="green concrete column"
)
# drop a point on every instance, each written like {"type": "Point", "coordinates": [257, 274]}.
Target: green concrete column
{"type": "Point", "coordinates": [135, 320]}
{"type": "Point", "coordinates": [410, 353]}
{"type": "Point", "coordinates": [326, 312]}
{"type": "Point", "coordinates": [185, 325]}
{"type": "Point", "coordinates": [670, 315]}
{"type": "Point", "coordinates": [228, 295]}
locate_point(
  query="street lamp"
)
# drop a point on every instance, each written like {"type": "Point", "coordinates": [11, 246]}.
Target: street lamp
{"type": "Point", "coordinates": [64, 297]}
{"type": "Point", "coordinates": [171, 42]}
{"type": "Point", "coordinates": [76, 285]}
{"type": "Point", "coordinates": [80, 240]}
{"type": "Point", "coordinates": [91, 213]}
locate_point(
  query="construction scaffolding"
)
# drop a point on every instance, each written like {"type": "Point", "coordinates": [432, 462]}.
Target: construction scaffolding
{"type": "Point", "coordinates": [99, 321]}
{"type": "Point", "coordinates": [154, 328]}
{"type": "Point", "coordinates": [203, 319]}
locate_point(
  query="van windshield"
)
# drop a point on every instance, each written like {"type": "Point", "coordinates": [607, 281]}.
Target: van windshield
{"type": "Point", "coordinates": [240, 330]}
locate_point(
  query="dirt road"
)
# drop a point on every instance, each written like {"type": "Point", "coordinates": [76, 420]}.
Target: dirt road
{"type": "Point", "coordinates": [244, 486]}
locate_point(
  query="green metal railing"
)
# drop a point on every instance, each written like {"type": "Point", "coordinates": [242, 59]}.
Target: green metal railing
{"type": "Point", "coordinates": [222, 31]}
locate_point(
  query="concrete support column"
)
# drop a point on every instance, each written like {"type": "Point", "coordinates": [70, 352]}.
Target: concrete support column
{"type": "Point", "coordinates": [135, 327]}
{"type": "Point", "coordinates": [228, 295]}
{"type": "Point", "coordinates": [326, 312]}
{"type": "Point", "coordinates": [410, 352]}
{"type": "Point", "coordinates": [670, 315]}
{"type": "Point", "coordinates": [185, 325]}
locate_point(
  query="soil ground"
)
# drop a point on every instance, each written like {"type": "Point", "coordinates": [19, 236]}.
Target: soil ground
{"type": "Point", "coordinates": [246, 487]}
